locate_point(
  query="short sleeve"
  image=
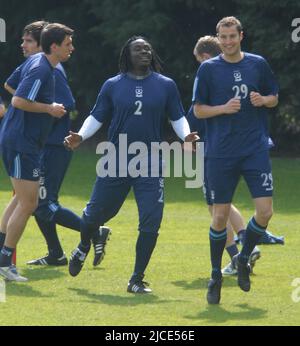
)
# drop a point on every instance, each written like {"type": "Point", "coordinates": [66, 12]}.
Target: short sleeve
{"type": "Point", "coordinates": [174, 104]}
{"type": "Point", "coordinates": [31, 84]}
{"type": "Point", "coordinates": [14, 79]}
{"type": "Point", "coordinates": [201, 85]}
{"type": "Point", "coordinates": [269, 82]}
{"type": "Point", "coordinates": [102, 110]}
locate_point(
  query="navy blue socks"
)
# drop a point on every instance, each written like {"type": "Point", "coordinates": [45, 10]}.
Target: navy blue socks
{"type": "Point", "coordinates": [144, 247]}
{"type": "Point", "coordinates": [253, 233]}
{"type": "Point", "coordinates": [217, 245]}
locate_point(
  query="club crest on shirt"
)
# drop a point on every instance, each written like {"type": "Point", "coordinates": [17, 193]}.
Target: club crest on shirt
{"type": "Point", "coordinates": [237, 76]}
{"type": "Point", "coordinates": [138, 91]}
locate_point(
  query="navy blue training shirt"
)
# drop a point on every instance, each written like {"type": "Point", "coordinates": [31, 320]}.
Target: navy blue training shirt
{"type": "Point", "coordinates": [196, 124]}
{"type": "Point", "coordinates": [25, 131]}
{"type": "Point", "coordinates": [138, 107]}
{"type": "Point", "coordinates": [63, 94]}
{"type": "Point", "coordinates": [218, 81]}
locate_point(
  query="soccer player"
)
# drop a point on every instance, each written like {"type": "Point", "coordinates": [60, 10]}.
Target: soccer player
{"type": "Point", "coordinates": [233, 91]}
{"type": "Point", "coordinates": [206, 48]}
{"type": "Point", "coordinates": [55, 160]}
{"type": "Point", "coordinates": [2, 108]}
{"type": "Point", "coordinates": [136, 102]}
{"type": "Point", "coordinates": [23, 134]}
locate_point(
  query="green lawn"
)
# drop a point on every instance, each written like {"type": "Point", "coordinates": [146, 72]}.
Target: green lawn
{"type": "Point", "coordinates": [179, 269]}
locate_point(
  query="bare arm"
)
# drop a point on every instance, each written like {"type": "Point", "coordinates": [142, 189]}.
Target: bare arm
{"type": "Point", "coordinates": [54, 109]}
{"type": "Point", "coordinates": [205, 111]}
{"type": "Point", "coordinates": [2, 110]}
{"type": "Point", "coordinates": [258, 100]}
{"type": "Point", "coordinates": [9, 89]}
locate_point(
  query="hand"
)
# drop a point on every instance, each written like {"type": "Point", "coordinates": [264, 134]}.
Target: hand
{"type": "Point", "coordinates": [57, 110]}
{"type": "Point", "coordinates": [256, 99]}
{"type": "Point", "coordinates": [232, 106]}
{"type": "Point", "coordinates": [190, 142]}
{"type": "Point", "coordinates": [72, 141]}
{"type": "Point", "coordinates": [192, 137]}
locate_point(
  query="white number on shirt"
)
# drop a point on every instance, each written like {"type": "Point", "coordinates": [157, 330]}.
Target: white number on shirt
{"type": "Point", "coordinates": [139, 105]}
{"type": "Point", "coordinates": [240, 90]}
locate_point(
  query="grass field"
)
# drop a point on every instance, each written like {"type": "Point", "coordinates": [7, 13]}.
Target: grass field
{"type": "Point", "coordinates": [179, 269]}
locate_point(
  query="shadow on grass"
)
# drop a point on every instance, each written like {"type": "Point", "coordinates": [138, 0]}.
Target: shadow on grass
{"type": "Point", "coordinates": [23, 290]}
{"type": "Point", "coordinates": [215, 313]}
{"type": "Point", "coordinates": [201, 283]}
{"type": "Point", "coordinates": [42, 273]}
{"type": "Point", "coordinates": [132, 300]}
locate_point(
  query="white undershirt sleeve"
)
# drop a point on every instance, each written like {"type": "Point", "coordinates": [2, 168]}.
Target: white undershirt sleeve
{"type": "Point", "coordinates": [89, 127]}
{"type": "Point", "coordinates": [181, 127]}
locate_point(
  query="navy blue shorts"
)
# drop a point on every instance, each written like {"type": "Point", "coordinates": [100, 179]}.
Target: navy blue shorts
{"type": "Point", "coordinates": [54, 162]}
{"type": "Point", "coordinates": [21, 165]}
{"type": "Point", "coordinates": [223, 176]}
{"type": "Point", "coordinates": [109, 195]}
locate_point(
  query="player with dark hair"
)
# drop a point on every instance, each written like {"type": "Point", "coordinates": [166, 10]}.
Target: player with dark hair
{"type": "Point", "coordinates": [55, 160]}
{"type": "Point", "coordinates": [232, 92]}
{"type": "Point", "coordinates": [23, 134]}
{"type": "Point", "coordinates": [136, 102]}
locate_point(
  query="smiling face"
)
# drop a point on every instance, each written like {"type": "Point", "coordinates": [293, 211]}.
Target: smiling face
{"type": "Point", "coordinates": [29, 45]}
{"type": "Point", "coordinates": [140, 54]}
{"type": "Point", "coordinates": [230, 40]}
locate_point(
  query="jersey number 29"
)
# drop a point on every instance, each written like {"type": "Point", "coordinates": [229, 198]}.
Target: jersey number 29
{"type": "Point", "coordinates": [241, 91]}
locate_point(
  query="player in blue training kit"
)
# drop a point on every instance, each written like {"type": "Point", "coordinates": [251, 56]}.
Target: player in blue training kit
{"type": "Point", "coordinates": [2, 108]}
{"type": "Point", "coordinates": [233, 91]}
{"type": "Point", "coordinates": [24, 132]}
{"type": "Point", "coordinates": [136, 102]}
{"type": "Point", "coordinates": [55, 160]}
{"type": "Point", "coordinates": [206, 48]}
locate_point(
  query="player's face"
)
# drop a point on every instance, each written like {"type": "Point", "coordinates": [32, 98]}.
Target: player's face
{"type": "Point", "coordinates": [202, 57]}
{"type": "Point", "coordinates": [64, 51]}
{"type": "Point", "coordinates": [230, 40]}
{"type": "Point", "coordinates": [140, 53]}
{"type": "Point", "coordinates": [29, 46]}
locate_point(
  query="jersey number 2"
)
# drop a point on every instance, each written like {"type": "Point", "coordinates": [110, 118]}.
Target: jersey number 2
{"type": "Point", "coordinates": [139, 105]}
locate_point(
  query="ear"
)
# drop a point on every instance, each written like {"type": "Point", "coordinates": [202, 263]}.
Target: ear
{"type": "Point", "coordinates": [53, 47]}
{"type": "Point", "coordinates": [241, 36]}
